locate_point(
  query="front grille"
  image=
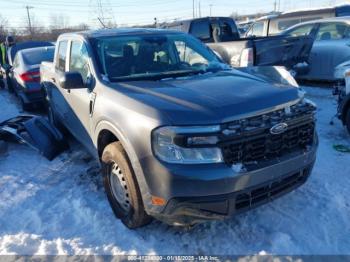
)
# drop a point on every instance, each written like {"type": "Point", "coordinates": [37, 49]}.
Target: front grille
{"type": "Point", "coordinates": [251, 139]}
{"type": "Point", "coordinates": [262, 194]}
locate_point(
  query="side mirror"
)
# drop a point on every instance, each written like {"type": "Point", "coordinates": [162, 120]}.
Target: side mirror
{"type": "Point", "coordinates": [72, 80]}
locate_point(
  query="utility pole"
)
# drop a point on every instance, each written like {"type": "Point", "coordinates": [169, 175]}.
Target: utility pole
{"type": "Point", "coordinates": [275, 6]}
{"type": "Point", "coordinates": [199, 9]}
{"type": "Point", "coordinates": [29, 21]}
{"type": "Point", "coordinates": [193, 8]}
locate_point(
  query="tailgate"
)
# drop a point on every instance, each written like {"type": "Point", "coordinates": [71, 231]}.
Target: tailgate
{"type": "Point", "coordinates": [282, 50]}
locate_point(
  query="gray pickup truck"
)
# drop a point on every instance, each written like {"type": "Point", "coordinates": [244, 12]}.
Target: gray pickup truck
{"type": "Point", "coordinates": [180, 136]}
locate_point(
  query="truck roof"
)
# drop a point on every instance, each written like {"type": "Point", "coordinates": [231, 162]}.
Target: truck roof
{"type": "Point", "coordinates": [178, 22]}
{"type": "Point", "coordinates": [121, 31]}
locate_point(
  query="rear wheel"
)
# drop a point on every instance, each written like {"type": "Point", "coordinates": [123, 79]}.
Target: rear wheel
{"type": "Point", "coordinates": [121, 187]}
{"type": "Point", "coordinates": [9, 85]}
{"type": "Point", "coordinates": [2, 84]}
{"type": "Point", "coordinates": [54, 120]}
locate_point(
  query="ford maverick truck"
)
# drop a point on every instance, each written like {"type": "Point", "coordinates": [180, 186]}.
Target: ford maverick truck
{"type": "Point", "coordinates": [180, 136]}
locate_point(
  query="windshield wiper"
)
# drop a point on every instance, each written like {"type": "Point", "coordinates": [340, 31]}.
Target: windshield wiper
{"type": "Point", "coordinates": [157, 76]}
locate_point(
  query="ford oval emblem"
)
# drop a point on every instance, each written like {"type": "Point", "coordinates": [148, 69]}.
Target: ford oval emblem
{"type": "Point", "coordinates": [279, 129]}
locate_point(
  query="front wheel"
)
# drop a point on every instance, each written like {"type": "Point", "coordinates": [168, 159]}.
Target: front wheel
{"type": "Point", "coordinates": [121, 187]}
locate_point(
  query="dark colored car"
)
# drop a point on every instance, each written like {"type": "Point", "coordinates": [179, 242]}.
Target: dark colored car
{"type": "Point", "coordinates": [222, 36]}
{"type": "Point", "coordinates": [25, 74]}
{"type": "Point", "coordinates": [180, 136]}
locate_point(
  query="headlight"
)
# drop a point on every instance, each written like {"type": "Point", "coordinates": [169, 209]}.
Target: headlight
{"type": "Point", "coordinates": [187, 145]}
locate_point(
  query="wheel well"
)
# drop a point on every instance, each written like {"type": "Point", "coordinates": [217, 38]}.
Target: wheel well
{"type": "Point", "coordinates": [105, 137]}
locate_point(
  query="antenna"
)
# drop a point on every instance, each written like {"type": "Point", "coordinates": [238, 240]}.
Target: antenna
{"type": "Point", "coordinates": [101, 22]}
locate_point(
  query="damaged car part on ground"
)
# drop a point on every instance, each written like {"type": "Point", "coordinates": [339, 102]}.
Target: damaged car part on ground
{"type": "Point", "coordinates": [36, 132]}
{"type": "Point", "coordinates": [181, 137]}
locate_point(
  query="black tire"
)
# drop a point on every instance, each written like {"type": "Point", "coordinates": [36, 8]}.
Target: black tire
{"type": "Point", "coordinates": [2, 84]}
{"type": "Point", "coordinates": [9, 85]}
{"type": "Point", "coordinates": [25, 106]}
{"type": "Point", "coordinates": [347, 120]}
{"type": "Point", "coordinates": [131, 210]}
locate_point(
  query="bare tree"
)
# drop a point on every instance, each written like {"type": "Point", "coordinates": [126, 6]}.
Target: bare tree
{"type": "Point", "coordinates": [81, 27]}
{"type": "Point", "coordinates": [3, 26]}
{"type": "Point", "coordinates": [59, 21]}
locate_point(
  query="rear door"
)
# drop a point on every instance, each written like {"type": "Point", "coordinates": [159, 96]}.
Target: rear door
{"type": "Point", "coordinates": [309, 29]}
{"type": "Point", "coordinates": [57, 94]}
{"type": "Point", "coordinates": [282, 50]}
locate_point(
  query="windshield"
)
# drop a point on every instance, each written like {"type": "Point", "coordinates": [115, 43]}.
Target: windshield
{"type": "Point", "coordinates": [123, 58]}
{"type": "Point", "coordinates": [35, 57]}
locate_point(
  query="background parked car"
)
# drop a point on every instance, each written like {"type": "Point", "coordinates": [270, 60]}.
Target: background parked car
{"type": "Point", "coordinates": [331, 47]}
{"type": "Point", "coordinates": [25, 74]}
{"type": "Point", "coordinates": [11, 53]}
{"type": "Point", "coordinates": [275, 24]}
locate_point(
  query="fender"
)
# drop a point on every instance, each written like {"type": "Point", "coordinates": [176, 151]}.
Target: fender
{"type": "Point", "coordinates": [106, 125]}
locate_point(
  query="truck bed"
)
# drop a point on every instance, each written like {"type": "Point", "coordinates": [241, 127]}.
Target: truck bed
{"type": "Point", "coordinates": [268, 51]}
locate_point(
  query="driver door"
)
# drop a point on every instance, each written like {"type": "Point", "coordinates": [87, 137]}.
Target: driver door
{"type": "Point", "coordinates": [81, 101]}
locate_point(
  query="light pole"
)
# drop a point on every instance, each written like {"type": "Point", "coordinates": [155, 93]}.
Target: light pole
{"type": "Point", "coordinates": [29, 21]}
{"type": "Point", "coordinates": [193, 7]}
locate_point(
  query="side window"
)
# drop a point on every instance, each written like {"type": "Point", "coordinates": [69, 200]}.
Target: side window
{"type": "Point", "coordinates": [79, 59]}
{"type": "Point", "coordinates": [331, 31]}
{"type": "Point", "coordinates": [285, 24]}
{"type": "Point", "coordinates": [303, 30]}
{"type": "Point", "coordinates": [273, 27]}
{"type": "Point", "coordinates": [201, 29]}
{"type": "Point", "coordinates": [258, 29]}
{"type": "Point", "coordinates": [61, 56]}
{"type": "Point", "coordinates": [187, 55]}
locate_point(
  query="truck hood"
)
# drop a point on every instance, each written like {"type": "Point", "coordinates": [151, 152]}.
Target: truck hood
{"type": "Point", "coordinates": [211, 98]}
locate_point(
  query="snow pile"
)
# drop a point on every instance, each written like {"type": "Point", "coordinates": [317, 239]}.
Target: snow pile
{"type": "Point", "coordinates": [59, 207]}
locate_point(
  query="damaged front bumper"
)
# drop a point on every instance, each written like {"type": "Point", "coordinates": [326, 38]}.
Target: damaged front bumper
{"type": "Point", "coordinates": [219, 192]}
{"type": "Point", "coordinates": [35, 132]}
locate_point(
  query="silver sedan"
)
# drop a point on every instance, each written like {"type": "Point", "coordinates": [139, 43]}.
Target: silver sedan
{"type": "Point", "coordinates": [331, 47]}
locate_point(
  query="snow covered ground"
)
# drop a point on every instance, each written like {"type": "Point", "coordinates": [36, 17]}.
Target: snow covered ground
{"type": "Point", "coordinates": [59, 207]}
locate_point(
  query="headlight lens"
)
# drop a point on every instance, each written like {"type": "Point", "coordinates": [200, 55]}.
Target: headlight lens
{"type": "Point", "coordinates": [187, 145]}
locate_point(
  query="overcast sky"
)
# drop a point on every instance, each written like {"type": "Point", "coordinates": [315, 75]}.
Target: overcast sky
{"type": "Point", "coordinates": [130, 12]}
